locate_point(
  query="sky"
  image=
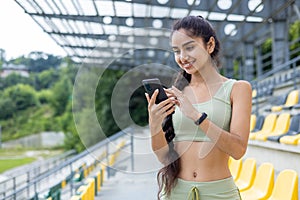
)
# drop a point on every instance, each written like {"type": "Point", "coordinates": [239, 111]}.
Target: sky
{"type": "Point", "coordinates": [20, 34]}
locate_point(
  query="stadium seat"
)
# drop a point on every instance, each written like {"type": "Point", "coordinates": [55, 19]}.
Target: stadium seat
{"type": "Point", "coordinates": [235, 167]}
{"type": "Point", "coordinates": [247, 174]}
{"type": "Point", "coordinates": [297, 106]}
{"type": "Point", "coordinates": [281, 127]}
{"type": "Point", "coordinates": [258, 123]}
{"type": "Point", "coordinates": [263, 184]}
{"type": "Point", "coordinates": [268, 126]}
{"type": "Point", "coordinates": [294, 129]}
{"type": "Point", "coordinates": [254, 93]}
{"type": "Point", "coordinates": [292, 99]}
{"type": "Point", "coordinates": [252, 122]}
{"type": "Point", "coordinates": [286, 186]}
{"type": "Point", "coordinates": [290, 139]}
{"type": "Point", "coordinates": [276, 101]}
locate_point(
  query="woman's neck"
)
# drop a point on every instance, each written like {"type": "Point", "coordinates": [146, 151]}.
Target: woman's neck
{"type": "Point", "coordinates": [208, 75]}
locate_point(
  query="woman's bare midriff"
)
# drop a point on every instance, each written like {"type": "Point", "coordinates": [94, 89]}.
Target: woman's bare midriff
{"type": "Point", "coordinates": [202, 161]}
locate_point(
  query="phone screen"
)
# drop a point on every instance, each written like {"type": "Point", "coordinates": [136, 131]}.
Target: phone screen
{"type": "Point", "coordinates": [151, 85]}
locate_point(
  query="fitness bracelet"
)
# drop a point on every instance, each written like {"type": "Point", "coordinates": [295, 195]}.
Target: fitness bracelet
{"type": "Point", "coordinates": [201, 119]}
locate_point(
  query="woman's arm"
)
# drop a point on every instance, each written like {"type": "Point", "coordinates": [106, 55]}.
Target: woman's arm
{"type": "Point", "coordinates": [234, 142]}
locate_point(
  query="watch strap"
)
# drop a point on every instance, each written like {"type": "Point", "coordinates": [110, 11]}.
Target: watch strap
{"type": "Point", "coordinates": [201, 119]}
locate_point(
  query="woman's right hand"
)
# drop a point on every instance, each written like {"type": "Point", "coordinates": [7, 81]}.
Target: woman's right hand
{"type": "Point", "coordinates": [158, 112]}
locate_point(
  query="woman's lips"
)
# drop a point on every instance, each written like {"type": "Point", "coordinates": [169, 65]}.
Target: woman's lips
{"type": "Point", "coordinates": [187, 65]}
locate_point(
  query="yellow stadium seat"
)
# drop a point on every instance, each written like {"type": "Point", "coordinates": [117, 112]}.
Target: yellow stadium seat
{"type": "Point", "coordinates": [263, 184]}
{"type": "Point", "coordinates": [286, 186]}
{"type": "Point", "coordinates": [75, 197]}
{"type": "Point", "coordinates": [252, 122]}
{"type": "Point", "coordinates": [254, 93]}
{"type": "Point", "coordinates": [235, 167]}
{"type": "Point", "coordinates": [247, 174]}
{"type": "Point", "coordinates": [281, 127]}
{"type": "Point", "coordinates": [290, 139]}
{"type": "Point", "coordinates": [292, 99]}
{"type": "Point", "coordinates": [268, 126]}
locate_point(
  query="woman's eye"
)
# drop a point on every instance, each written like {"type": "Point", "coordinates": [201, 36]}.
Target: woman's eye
{"type": "Point", "coordinates": [176, 51]}
{"type": "Point", "coordinates": [189, 48]}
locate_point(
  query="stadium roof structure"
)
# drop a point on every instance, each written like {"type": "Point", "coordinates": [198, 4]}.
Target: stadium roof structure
{"type": "Point", "coordinates": [127, 33]}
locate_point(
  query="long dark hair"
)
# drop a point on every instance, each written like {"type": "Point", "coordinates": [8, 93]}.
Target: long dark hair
{"type": "Point", "coordinates": [195, 27]}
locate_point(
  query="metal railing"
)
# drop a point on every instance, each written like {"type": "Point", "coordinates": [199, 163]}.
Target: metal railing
{"type": "Point", "coordinates": [291, 64]}
{"type": "Point", "coordinates": [21, 175]}
{"type": "Point", "coordinates": [23, 186]}
{"type": "Point", "coordinates": [286, 73]}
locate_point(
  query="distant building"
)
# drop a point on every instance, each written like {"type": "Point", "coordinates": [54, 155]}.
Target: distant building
{"type": "Point", "coordinates": [8, 69]}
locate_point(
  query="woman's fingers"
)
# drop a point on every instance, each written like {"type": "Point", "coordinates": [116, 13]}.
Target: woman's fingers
{"type": "Point", "coordinates": [166, 107]}
{"type": "Point", "coordinates": [147, 97]}
{"type": "Point", "coordinates": [168, 111]}
{"type": "Point", "coordinates": [165, 102]}
{"type": "Point", "coordinates": [153, 98]}
{"type": "Point", "coordinates": [158, 110]}
{"type": "Point", "coordinates": [170, 93]}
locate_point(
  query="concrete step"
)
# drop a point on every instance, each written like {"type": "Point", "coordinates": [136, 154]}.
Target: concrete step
{"type": "Point", "coordinates": [129, 186]}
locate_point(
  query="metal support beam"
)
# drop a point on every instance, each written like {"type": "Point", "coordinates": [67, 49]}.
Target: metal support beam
{"type": "Point", "coordinates": [249, 61]}
{"type": "Point", "coordinates": [279, 43]}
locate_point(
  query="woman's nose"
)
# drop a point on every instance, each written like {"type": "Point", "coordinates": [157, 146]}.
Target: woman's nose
{"type": "Point", "coordinates": [184, 57]}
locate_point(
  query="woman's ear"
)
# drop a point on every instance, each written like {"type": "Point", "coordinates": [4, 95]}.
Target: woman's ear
{"type": "Point", "coordinates": [211, 45]}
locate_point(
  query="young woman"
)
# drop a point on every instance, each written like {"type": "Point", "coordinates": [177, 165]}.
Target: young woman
{"type": "Point", "coordinates": [211, 119]}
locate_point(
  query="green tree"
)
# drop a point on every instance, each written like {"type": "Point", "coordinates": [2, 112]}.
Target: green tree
{"type": "Point", "coordinates": [39, 61]}
{"type": "Point", "coordinates": [44, 96]}
{"type": "Point", "coordinates": [103, 101]}
{"type": "Point", "coordinates": [61, 95]}
{"type": "Point", "coordinates": [13, 79]}
{"type": "Point", "coordinates": [22, 96]}
{"type": "Point", "coordinates": [7, 107]}
{"type": "Point", "coordinates": [46, 79]}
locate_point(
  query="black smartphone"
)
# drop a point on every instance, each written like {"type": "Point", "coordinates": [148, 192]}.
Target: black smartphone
{"type": "Point", "coordinates": [151, 85]}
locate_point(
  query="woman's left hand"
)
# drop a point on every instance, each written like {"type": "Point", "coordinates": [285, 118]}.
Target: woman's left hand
{"type": "Point", "coordinates": [186, 107]}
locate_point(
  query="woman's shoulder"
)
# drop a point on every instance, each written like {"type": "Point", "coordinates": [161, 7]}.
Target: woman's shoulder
{"type": "Point", "coordinates": [242, 84]}
{"type": "Point", "coordinates": [241, 87]}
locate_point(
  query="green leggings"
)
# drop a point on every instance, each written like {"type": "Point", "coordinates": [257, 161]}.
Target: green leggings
{"type": "Point", "coordinates": [224, 189]}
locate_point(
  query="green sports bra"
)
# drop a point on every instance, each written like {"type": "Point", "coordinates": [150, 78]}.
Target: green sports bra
{"type": "Point", "coordinates": [218, 110]}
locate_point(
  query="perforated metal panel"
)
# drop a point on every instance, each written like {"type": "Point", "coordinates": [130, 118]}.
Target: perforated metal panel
{"type": "Point", "coordinates": [103, 31]}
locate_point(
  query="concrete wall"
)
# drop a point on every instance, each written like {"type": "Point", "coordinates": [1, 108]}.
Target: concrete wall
{"type": "Point", "coordinates": [45, 139]}
{"type": "Point", "coordinates": [282, 156]}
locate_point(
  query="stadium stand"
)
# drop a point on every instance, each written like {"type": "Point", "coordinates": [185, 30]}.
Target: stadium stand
{"type": "Point", "coordinates": [252, 122]}
{"type": "Point", "coordinates": [254, 93]}
{"type": "Point", "coordinates": [235, 167]}
{"type": "Point", "coordinates": [291, 139]}
{"type": "Point", "coordinates": [281, 127]}
{"type": "Point", "coordinates": [263, 183]}
{"type": "Point", "coordinates": [91, 185]}
{"type": "Point", "coordinates": [247, 174]}
{"type": "Point", "coordinates": [276, 101]}
{"type": "Point", "coordinates": [286, 186]}
{"type": "Point", "coordinates": [294, 130]}
{"type": "Point", "coordinates": [268, 126]}
{"type": "Point", "coordinates": [292, 99]}
{"type": "Point", "coordinates": [258, 123]}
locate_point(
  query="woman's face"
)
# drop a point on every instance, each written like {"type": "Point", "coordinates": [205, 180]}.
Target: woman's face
{"type": "Point", "coordinates": [191, 54]}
